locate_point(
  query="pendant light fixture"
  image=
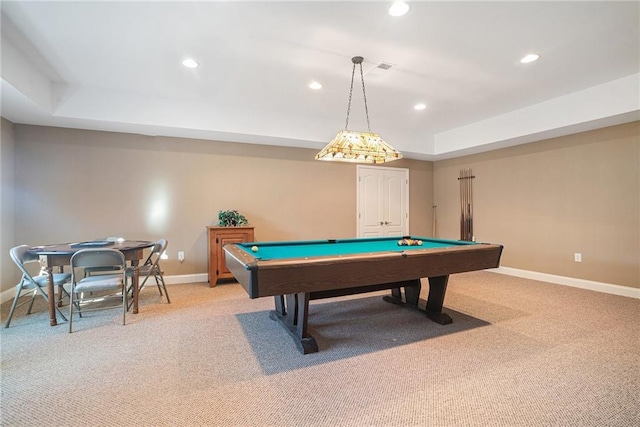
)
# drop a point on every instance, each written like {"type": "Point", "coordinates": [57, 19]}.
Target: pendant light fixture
{"type": "Point", "coordinates": [354, 146]}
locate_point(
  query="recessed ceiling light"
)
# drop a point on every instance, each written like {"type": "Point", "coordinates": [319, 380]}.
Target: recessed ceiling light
{"type": "Point", "coordinates": [189, 63]}
{"type": "Point", "coordinates": [398, 8]}
{"type": "Point", "coordinates": [315, 85]}
{"type": "Point", "coordinates": [530, 58]}
{"type": "Point", "coordinates": [420, 106]}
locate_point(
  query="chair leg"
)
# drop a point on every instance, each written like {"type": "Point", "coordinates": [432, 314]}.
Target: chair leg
{"type": "Point", "coordinates": [13, 305]}
{"type": "Point", "coordinates": [33, 298]}
{"type": "Point", "coordinates": [144, 281]}
{"type": "Point", "coordinates": [46, 298]}
{"type": "Point", "coordinates": [158, 284]}
{"type": "Point", "coordinates": [129, 291]}
{"type": "Point", "coordinates": [78, 309]}
{"type": "Point", "coordinates": [125, 305]}
{"type": "Point", "coordinates": [62, 293]}
{"type": "Point", "coordinates": [35, 292]}
{"type": "Point", "coordinates": [164, 286]}
{"type": "Point", "coordinates": [61, 313]}
{"type": "Point", "coordinates": [71, 303]}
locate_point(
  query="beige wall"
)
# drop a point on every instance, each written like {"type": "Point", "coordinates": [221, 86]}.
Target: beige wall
{"type": "Point", "coordinates": [547, 200]}
{"type": "Point", "coordinates": [7, 143]}
{"type": "Point", "coordinates": [74, 185]}
{"type": "Point", "coordinates": [543, 201]}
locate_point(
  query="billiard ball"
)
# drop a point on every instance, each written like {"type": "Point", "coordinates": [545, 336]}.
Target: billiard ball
{"type": "Point", "coordinates": [254, 248]}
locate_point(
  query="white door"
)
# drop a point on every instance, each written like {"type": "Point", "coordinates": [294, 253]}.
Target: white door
{"type": "Point", "coordinates": [383, 201]}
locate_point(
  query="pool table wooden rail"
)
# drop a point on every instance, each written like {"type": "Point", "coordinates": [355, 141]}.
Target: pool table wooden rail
{"type": "Point", "coordinates": [262, 278]}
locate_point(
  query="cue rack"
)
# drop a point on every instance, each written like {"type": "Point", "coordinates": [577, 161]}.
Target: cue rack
{"type": "Point", "coordinates": [466, 205]}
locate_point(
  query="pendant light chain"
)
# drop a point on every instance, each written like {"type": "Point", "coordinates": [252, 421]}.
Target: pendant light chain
{"type": "Point", "coordinates": [357, 60]}
{"type": "Point", "coordinates": [364, 94]}
{"type": "Point", "coordinates": [353, 72]}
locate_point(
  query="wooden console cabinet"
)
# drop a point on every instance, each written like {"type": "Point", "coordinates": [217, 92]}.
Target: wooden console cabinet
{"type": "Point", "coordinates": [218, 237]}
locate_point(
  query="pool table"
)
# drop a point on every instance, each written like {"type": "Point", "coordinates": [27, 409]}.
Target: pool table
{"type": "Point", "coordinates": [296, 272]}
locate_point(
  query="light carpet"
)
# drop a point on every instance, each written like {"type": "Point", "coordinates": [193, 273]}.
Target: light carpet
{"type": "Point", "coordinates": [519, 353]}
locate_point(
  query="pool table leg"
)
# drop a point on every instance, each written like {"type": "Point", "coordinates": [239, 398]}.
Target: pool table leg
{"type": "Point", "coordinates": [292, 312]}
{"type": "Point", "coordinates": [411, 293]}
{"type": "Point", "coordinates": [435, 300]}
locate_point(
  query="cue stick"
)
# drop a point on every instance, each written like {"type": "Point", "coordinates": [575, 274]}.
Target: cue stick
{"type": "Point", "coordinates": [435, 221]}
{"type": "Point", "coordinates": [469, 224]}
{"type": "Point", "coordinates": [461, 206]}
{"type": "Point", "coordinates": [466, 204]}
{"type": "Point", "coordinates": [464, 208]}
{"type": "Point", "coordinates": [470, 206]}
{"type": "Point", "coordinates": [467, 181]}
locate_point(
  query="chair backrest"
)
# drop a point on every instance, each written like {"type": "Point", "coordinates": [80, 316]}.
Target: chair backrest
{"type": "Point", "coordinates": [97, 257]}
{"type": "Point", "coordinates": [20, 257]}
{"type": "Point", "coordinates": [156, 252]}
{"type": "Point", "coordinates": [20, 254]}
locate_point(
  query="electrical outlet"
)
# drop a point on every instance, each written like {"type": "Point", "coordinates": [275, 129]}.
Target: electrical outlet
{"type": "Point", "coordinates": [180, 256]}
{"type": "Point", "coordinates": [577, 257]}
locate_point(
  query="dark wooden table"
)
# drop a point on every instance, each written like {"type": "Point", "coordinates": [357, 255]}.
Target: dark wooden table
{"type": "Point", "coordinates": [59, 255]}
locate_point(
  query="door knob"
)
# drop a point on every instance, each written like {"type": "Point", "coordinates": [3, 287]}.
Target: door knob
{"type": "Point", "coordinates": [386, 223]}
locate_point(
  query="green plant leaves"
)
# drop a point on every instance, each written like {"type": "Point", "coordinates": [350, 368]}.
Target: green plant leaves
{"type": "Point", "coordinates": [231, 218]}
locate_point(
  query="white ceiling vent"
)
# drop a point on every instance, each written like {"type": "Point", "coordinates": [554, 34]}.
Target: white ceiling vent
{"type": "Point", "coordinates": [378, 70]}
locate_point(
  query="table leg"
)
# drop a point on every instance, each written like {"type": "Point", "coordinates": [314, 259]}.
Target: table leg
{"type": "Point", "coordinates": [292, 312]}
{"type": "Point", "coordinates": [435, 300]}
{"type": "Point", "coordinates": [279, 300]}
{"type": "Point", "coordinates": [411, 293]}
{"type": "Point", "coordinates": [134, 284]}
{"type": "Point", "coordinates": [51, 297]}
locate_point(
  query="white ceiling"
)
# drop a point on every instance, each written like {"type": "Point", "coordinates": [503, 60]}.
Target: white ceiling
{"type": "Point", "coordinates": [117, 66]}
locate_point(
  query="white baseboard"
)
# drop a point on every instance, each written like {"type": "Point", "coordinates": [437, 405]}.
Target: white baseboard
{"type": "Point", "coordinates": [8, 294]}
{"type": "Point", "coordinates": [169, 280]}
{"type": "Point", "coordinates": [186, 278]}
{"type": "Point", "coordinates": [607, 288]}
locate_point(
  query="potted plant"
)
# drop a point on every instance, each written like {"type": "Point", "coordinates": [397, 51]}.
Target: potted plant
{"type": "Point", "coordinates": [231, 218]}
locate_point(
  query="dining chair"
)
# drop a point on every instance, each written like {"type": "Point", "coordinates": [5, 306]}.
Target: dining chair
{"type": "Point", "coordinates": [88, 271]}
{"type": "Point", "coordinates": [33, 285]}
{"type": "Point", "coordinates": [151, 268]}
{"type": "Point", "coordinates": [100, 288]}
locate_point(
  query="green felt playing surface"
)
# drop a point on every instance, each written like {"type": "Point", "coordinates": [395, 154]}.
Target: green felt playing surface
{"type": "Point", "coordinates": [319, 248]}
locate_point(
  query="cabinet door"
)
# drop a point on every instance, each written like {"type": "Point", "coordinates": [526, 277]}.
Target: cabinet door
{"type": "Point", "coordinates": [218, 237]}
{"type": "Point", "coordinates": [223, 239]}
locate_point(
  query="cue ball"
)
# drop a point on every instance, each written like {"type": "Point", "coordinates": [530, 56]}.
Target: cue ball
{"type": "Point", "coordinates": [254, 248]}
